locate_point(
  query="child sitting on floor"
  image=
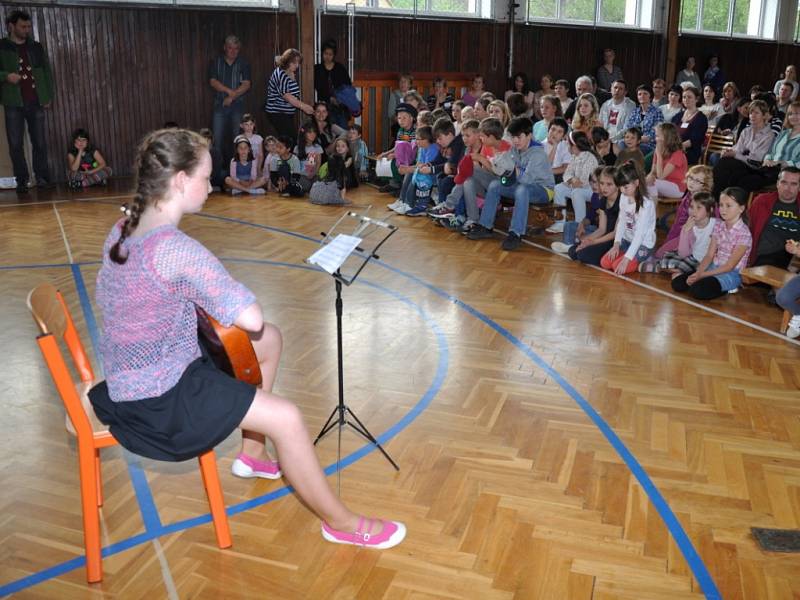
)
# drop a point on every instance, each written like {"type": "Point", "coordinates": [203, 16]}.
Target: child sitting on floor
{"type": "Point", "coordinates": [244, 172]}
{"type": "Point", "coordinates": [699, 178]}
{"type": "Point", "coordinates": [270, 160]}
{"type": "Point", "coordinates": [358, 150]}
{"type": "Point", "coordinates": [731, 242]}
{"type": "Point", "coordinates": [330, 188]}
{"type": "Point", "coordinates": [694, 240]}
{"type": "Point", "coordinates": [635, 234]}
{"type": "Point", "coordinates": [86, 166]}
{"type": "Point", "coordinates": [286, 176]}
{"type": "Point", "coordinates": [247, 127]}
{"type": "Point", "coordinates": [309, 153]}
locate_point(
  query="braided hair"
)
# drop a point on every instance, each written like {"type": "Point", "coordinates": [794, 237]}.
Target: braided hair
{"type": "Point", "coordinates": [161, 155]}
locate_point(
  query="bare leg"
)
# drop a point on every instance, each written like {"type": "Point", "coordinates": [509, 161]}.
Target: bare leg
{"type": "Point", "coordinates": [281, 420]}
{"type": "Point", "coordinates": [267, 344]}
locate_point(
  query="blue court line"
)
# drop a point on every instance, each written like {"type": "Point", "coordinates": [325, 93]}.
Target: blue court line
{"type": "Point", "coordinates": [144, 496]}
{"type": "Point", "coordinates": [693, 559]}
{"type": "Point", "coordinates": [160, 530]}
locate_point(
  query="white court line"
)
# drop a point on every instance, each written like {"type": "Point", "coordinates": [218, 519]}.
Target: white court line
{"type": "Point", "coordinates": [169, 582]}
{"type": "Point", "coordinates": [708, 309]}
{"type": "Point", "coordinates": [63, 234]}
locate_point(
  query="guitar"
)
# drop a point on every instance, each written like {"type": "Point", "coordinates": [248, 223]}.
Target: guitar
{"type": "Point", "coordinates": [229, 347]}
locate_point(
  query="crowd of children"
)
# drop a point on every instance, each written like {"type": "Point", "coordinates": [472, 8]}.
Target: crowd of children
{"type": "Point", "coordinates": [479, 154]}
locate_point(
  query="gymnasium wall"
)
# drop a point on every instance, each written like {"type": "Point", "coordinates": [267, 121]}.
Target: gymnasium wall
{"type": "Point", "coordinates": [121, 72]}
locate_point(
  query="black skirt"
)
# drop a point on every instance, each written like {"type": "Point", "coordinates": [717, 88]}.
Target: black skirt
{"type": "Point", "coordinates": [198, 413]}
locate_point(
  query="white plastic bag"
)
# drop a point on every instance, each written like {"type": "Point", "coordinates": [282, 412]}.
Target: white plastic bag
{"type": "Point", "coordinates": [383, 168]}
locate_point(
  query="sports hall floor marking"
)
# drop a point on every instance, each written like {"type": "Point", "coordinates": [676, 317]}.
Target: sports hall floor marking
{"type": "Point", "coordinates": [693, 559]}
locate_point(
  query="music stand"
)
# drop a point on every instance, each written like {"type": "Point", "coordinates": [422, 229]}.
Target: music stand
{"type": "Point", "coordinates": [345, 250]}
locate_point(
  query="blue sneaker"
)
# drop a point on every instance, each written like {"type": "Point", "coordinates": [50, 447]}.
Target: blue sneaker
{"type": "Point", "coordinates": [420, 210]}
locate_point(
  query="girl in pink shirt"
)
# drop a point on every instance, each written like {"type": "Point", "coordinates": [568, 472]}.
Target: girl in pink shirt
{"type": "Point", "coordinates": [667, 175]}
{"type": "Point", "coordinates": [731, 242]}
{"type": "Point", "coordinates": [163, 397]}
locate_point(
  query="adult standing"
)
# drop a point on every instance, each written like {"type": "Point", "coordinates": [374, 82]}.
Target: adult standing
{"type": "Point", "coordinates": [790, 75]}
{"type": "Point", "coordinates": [688, 74]}
{"type": "Point", "coordinates": [229, 77]}
{"type": "Point", "coordinates": [329, 76]}
{"type": "Point", "coordinates": [608, 72]}
{"type": "Point", "coordinates": [283, 95]}
{"type": "Point", "coordinates": [27, 89]}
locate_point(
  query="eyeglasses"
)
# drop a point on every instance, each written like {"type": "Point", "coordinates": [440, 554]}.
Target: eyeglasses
{"type": "Point", "coordinates": [695, 179]}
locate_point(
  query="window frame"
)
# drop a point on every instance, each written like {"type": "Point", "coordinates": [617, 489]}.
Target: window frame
{"type": "Point", "coordinates": [729, 33]}
{"type": "Point", "coordinates": [416, 12]}
{"type": "Point", "coordinates": [596, 22]}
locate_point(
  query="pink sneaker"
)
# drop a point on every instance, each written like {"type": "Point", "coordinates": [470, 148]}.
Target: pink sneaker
{"type": "Point", "coordinates": [393, 533]}
{"type": "Point", "coordinates": [247, 467]}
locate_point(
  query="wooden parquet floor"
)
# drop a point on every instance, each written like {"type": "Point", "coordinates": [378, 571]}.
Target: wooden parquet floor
{"type": "Point", "coordinates": [508, 487]}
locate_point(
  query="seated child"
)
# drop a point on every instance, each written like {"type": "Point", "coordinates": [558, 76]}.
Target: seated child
{"type": "Point", "coordinates": [576, 179]}
{"type": "Point", "coordinates": [699, 178]}
{"type": "Point", "coordinates": [727, 254]}
{"type": "Point", "coordinates": [341, 148]}
{"type": "Point", "coordinates": [85, 165]}
{"type": "Point", "coordinates": [286, 176]}
{"type": "Point", "coordinates": [529, 182]}
{"type": "Point", "coordinates": [270, 160]}
{"type": "Point", "coordinates": [247, 128]}
{"type": "Point", "coordinates": [244, 172]}
{"type": "Point", "coordinates": [402, 153]}
{"type": "Point", "coordinates": [217, 169]}
{"type": "Point", "coordinates": [358, 150]}
{"type": "Point", "coordinates": [415, 202]}
{"type": "Point", "coordinates": [458, 115]}
{"type": "Point", "coordinates": [694, 240]}
{"type": "Point", "coordinates": [557, 148]}
{"type": "Point", "coordinates": [456, 217]}
{"type": "Point", "coordinates": [590, 243]}
{"type": "Point", "coordinates": [309, 153]}
{"type": "Point", "coordinates": [632, 140]}
{"type": "Point", "coordinates": [603, 146]}
{"type": "Point", "coordinates": [330, 188]}
{"type": "Point", "coordinates": [489, 164]}
{"type": "Point", "coordinates": [451, 147]}
{"type": "Point", "coordinates": [668, 173]}
{"type": "Point", "coordinates": [635, 234]}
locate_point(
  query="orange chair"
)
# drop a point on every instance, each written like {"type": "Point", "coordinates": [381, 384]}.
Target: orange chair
{"type": "Point", "coordinates": [54, 320]}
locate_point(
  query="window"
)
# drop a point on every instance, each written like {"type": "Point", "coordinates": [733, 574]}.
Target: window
{"type": "Point", "coordinates": [751, 18]}
{"type": "Point", "coordinates": [455, 8]}
{"type": "Point", "coordinates": [630, 13]}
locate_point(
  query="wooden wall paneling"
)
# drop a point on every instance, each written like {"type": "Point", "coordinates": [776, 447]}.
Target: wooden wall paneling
{"type": "Point", "coordinates": [121, 72]}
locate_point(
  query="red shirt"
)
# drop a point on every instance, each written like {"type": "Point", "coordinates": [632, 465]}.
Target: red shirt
{"type": "Point", "coordinates": [678, 174]}
{"type": "Point", "coordinates": [27, 84]}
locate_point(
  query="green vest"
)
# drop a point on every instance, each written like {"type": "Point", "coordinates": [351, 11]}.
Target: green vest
{"type": "Point", "coordinates": [10, 94]}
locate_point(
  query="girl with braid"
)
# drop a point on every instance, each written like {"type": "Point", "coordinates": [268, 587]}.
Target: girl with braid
{"type": "Point", "coordinates": [163, 398]}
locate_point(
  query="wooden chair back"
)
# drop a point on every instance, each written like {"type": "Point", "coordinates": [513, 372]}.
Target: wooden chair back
{"type": "Point", "coordinates": [718, 142]}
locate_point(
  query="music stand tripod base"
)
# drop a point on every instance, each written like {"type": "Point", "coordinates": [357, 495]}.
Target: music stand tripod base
{"type": "Point", "coordinates": [341, 414]}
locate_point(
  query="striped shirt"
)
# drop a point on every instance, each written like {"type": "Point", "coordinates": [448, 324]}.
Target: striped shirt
{"type": "Point", "coordinates": [279, 84]}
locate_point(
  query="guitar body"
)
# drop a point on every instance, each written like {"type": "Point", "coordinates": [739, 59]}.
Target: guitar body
{"type": "Point", "coordinates": [229, 347]}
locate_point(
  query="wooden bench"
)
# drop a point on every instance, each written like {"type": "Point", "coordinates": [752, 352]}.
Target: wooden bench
{"type": "Point", "coordinates": [774, 277]}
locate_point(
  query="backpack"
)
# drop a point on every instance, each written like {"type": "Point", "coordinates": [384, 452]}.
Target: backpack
{"type": "Point", "coordinates": [346, 96]}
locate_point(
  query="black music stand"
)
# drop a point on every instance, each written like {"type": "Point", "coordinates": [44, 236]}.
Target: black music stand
{"type": "Point", "coordinates": [350, 244]}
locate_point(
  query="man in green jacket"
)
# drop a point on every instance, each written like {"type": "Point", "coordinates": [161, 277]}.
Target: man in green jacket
{"type": "Point", "coordinates": [26, 89]}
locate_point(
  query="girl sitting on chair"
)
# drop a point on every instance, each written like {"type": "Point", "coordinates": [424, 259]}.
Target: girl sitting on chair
{"type": "Point", "coordinates": [163, 398]}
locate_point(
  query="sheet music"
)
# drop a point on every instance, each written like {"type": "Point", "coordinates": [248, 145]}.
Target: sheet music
{"type": "Point", "coordinates": [333, 254]}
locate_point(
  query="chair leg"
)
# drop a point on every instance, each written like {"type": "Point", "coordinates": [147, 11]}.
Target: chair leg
{"type": "Point", "coordinates": [216, 502]}
{"type": "Point", "coordinates": [99, 477]}
{"type": "Point", "coordinates": [91, 514]}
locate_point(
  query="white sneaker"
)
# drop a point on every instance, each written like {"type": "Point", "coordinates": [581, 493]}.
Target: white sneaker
{"type": "Point", "coordinates": [402, 209]}
{"type": "Point", "coordinates": [557, 227]}
{"type": "Point", "coordinates": [257, 191]}
{"type": "Point", "coordinates": [560, 247]}
{"type": "Point", "coordinates": [734, 291]}
{"type": "Point", "coordinates": [235, 192]}
{"type": "Point", "coordinates": [793, 331]}
{"type": "Point", "coordinates": [395, 205]}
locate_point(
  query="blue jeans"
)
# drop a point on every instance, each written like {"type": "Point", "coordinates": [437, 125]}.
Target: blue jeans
{"type": "Point", "coordinates": [445, 185]}
{"type": "Point", "coordinates": [523, 194]}
{"type": "Point", "coordinates": [571, 231]}
{"type": "Point", "coordinates": [788, 297]}
{"type": "Point", "coordinates": [579, 195]}
{"type": "Point", "coordinates": [16, 117]}
{"type": "Point", "coordinates": [225, 126]}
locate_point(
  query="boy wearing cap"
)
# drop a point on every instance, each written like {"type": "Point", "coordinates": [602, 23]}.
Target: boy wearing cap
{"type": "Point", "coordinates": [529, 182]}
{"type": "Point", "coordinates": [403, 151]}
